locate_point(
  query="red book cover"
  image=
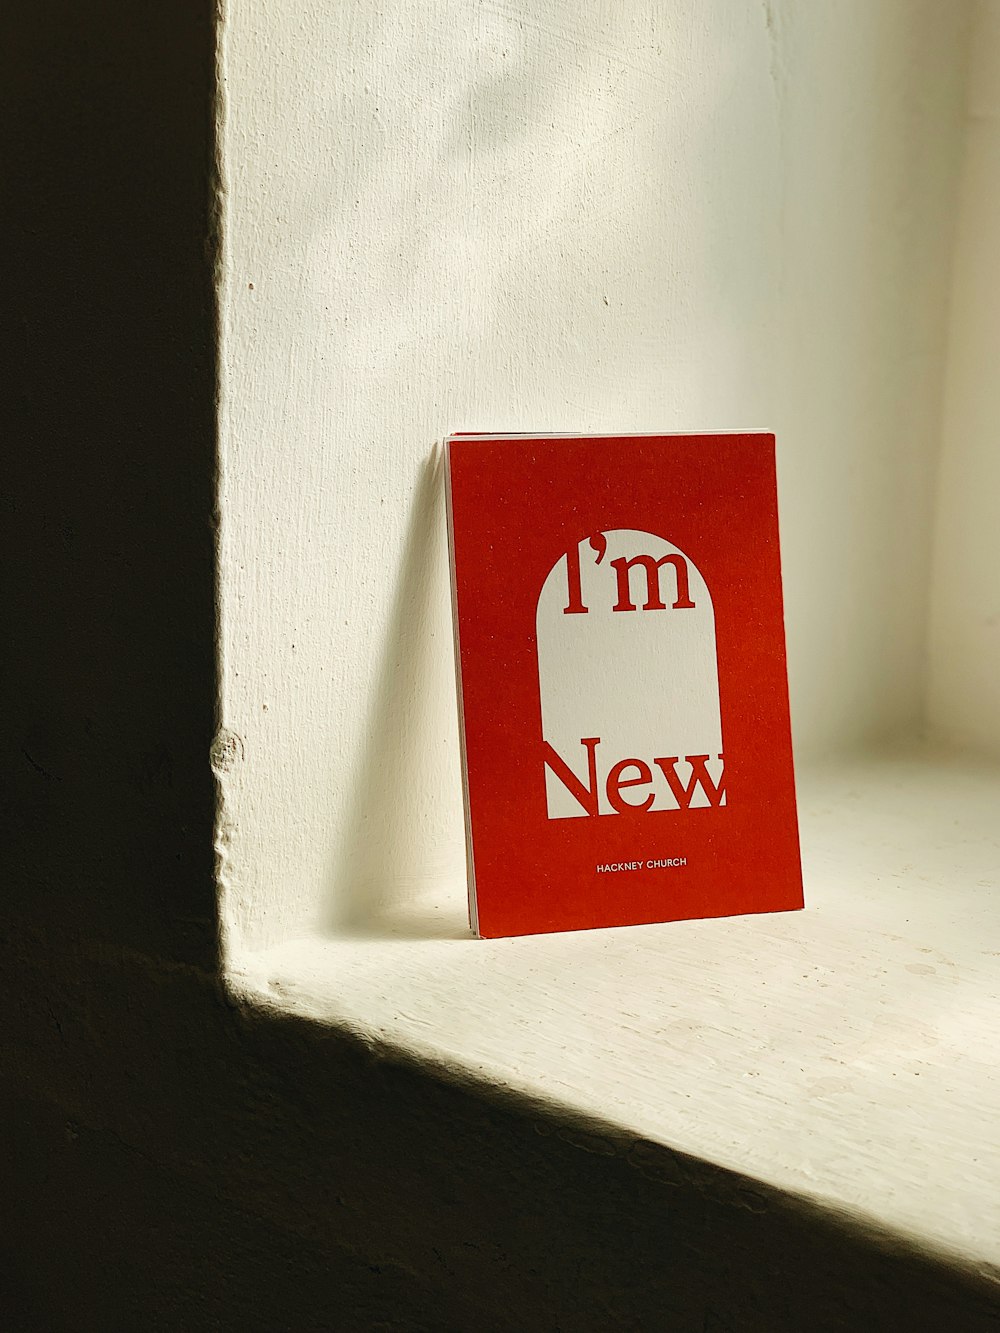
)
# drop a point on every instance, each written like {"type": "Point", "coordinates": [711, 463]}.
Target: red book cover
{"type": "Point", "coordinates": [623, 693]}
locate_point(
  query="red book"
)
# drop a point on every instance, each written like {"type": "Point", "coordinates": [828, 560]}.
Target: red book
{"type": "Point", "coordinates": [623, 693]}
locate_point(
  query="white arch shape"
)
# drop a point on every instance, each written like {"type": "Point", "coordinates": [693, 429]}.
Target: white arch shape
{"type": "Point", "coordinates": [627, 670]}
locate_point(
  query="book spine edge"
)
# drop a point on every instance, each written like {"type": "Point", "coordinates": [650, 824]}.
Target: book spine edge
{"type": "Point", "coordinates": [456, 637]}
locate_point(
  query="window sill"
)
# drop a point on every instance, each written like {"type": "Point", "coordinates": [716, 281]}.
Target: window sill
{"type": "Point", "coordinates": [846, 1054]}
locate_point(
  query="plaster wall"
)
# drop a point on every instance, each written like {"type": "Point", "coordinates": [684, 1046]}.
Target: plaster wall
{"type": "Point", "coordinates": [615, 216]}
{"type": "Point", "coordinates": [964, 678]}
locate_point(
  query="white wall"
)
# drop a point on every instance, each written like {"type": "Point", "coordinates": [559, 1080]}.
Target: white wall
{"type": "Point", "coordinates": [617, 216]}
{"type": "Point", "coordinates": [964, 689]}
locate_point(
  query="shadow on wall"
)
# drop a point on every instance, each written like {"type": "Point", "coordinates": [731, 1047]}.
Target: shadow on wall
{"type": "Point", "coordinates": [107, 496]}
{"type": "Point", "coordinates": [310, 1180]}
{"type": "Point", "coordinates": [395, 852]}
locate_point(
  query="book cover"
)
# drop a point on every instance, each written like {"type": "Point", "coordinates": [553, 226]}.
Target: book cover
{"type": "Point", "coordinates": [623, 694]}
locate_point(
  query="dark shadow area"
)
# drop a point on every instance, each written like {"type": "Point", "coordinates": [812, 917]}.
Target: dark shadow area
{"type": "Point", "coordinates": [381, 872]}
{"type": "Point", "coordinates": [106, 126]}
{"type": "Point", "coordinates": [270, 1172]}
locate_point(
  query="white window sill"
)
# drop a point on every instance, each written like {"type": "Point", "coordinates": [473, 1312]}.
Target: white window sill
{"type": "Point", "coordinates": [848, 1053]}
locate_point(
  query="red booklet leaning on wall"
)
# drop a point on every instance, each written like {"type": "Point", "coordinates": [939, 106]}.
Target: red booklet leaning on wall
{"type": "Point", "coordinates": [623, 697]}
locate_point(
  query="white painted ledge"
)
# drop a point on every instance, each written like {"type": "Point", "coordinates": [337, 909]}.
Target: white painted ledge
{"type": "Point", "coordinates": [848, 1053]}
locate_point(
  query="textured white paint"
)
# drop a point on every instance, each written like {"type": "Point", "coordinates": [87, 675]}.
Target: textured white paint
{"type": "Point", "coordinates": [629, 216]}
{"type": "Point", "coordinates": [846, 1053]}
{"type": "Point", "coordinates": [964, 702]}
